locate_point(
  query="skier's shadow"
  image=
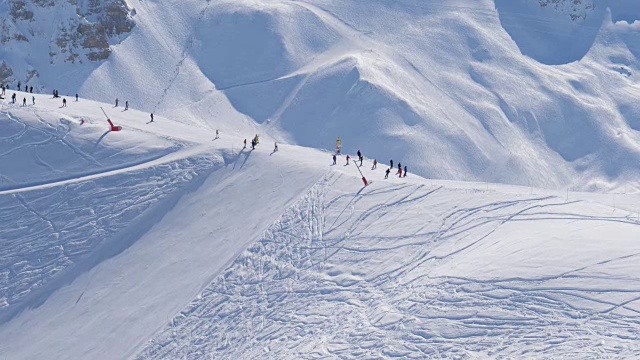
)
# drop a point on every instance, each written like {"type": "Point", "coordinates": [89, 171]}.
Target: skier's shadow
{"type": "Point", "coordinates": [246, 157]}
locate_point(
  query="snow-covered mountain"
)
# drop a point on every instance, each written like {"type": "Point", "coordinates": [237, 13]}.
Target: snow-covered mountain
{"type": "Point", "coordinates": [156, 242]}
{"type": "Point", "coordinates": [44, 39]}
{"type": "Point", "coordinates": [526, 92]}
{"type": "Point", "coordinates": [162, 242]}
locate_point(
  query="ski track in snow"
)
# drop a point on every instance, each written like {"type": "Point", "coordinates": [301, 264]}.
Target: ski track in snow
{"type": "Point", "coordinates": [42, 243]}
{"type": "Point", "coordinates": [344, 275]}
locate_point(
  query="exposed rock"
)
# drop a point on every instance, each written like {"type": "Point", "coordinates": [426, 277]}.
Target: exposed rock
{"type": "Point", "coordinates": [577, 9]}
{"type": "Point", "coordinates": [84, 29]}
{"type": "Point", "coordinates": [6, 74]}
{"type": "Point", "coordinates": [19, 10]}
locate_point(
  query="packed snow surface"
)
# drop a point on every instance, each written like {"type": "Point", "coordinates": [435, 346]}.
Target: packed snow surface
{"type": "Point", "coordinates": [162, 241]}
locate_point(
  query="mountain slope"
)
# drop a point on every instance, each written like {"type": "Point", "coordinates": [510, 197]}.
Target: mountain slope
{"type": "Point", "coordinates": [93, 252]}
{"type": "Point", "coordinates": [180, 239]}
{"type": "Point", "coordinates": [463, 90]}
{"type": "Point", "coordinates": [161, 241]}
{"type": "Point", "coordinates": [413, 270]}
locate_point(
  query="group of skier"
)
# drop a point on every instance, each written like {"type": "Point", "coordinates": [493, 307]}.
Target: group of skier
{"type": "Point", "coordinates": [126, 107]}
{"type": "Point", "coordinates": [126, 104]}
{"type": "Point", "coordinates": [5, 87]}
{"type": "Point", "coordinates": [254, 142]}
{"type": "Point", "coordinates": [402, 172]}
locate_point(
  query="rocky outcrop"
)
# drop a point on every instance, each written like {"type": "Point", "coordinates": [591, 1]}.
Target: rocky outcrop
{"type": "Point", "coordinates": [84, 29]}
{"type": "Point", "coordinates": [577, 9]}
{"type": "Point", "coordinates": [6, 74]}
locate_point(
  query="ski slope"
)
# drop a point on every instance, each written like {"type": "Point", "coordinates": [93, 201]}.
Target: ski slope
{"type": "Point", "coordinates": [413, 270]}
{"type": "Point", "coordinates": [185, 246]}
{"type": "Point", "coordinates": [163, 242]}
{"type": "Point", "coordinates": [503, 91]}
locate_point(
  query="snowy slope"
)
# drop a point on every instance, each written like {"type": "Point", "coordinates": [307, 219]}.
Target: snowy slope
{"type": "Point", "coordinates": [44, 143]}
{"type": "Point", "coordinates": [212, 250]}
{"type": "Point", "coordinates": [131, 244]}
{"type": "Point", "coordinates": [523, 92]}
{"type": "Point", "coordinates": [413, 270]}
{"type": "Point", "coordinates": [160, 242]}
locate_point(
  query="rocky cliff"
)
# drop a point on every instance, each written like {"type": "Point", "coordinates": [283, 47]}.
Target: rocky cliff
{"type": "Point", "coordinates": [62, 31]}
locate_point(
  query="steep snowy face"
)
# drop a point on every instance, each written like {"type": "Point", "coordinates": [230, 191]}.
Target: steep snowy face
{"type": "Point", "coordinates": [458, 91]}
{"type": "Point", "coordinates": [38, 33]}
{"type": "Point", "coordinates": [560, 31]}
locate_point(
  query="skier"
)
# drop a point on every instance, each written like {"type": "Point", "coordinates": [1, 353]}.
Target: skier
{"type": "Point", "coordinates": [24, 102]}
{"type": "Point", "coordinates": [359, 154]}
{"type": "Point", "coordinates": [3, 89]}
{"type": "Point", "coordinates": [116, 102]}
{"type": "Point", "coordinates": [276, 147]}
{"type": "Point", "coordinates": [13, 98]}
{"type": "Point", "coordinates": [348, 157]}
{"type": "Point", "coordinates": [361, 158]}
{"type": "Point", "coordinates": [405, 171]}
{"type": "Point", "coordinates": [64, 102]}
{"type": "Point", "coordinates": [19, 84]}
{"type": "Point", "coordinates": [400, 172]}
{"type": "Point", "coordinates": [334, 159]}
{"type": "Point", "coordinates": [391, 164]}
{"type": "Point", "coordinates": [386, 173]}
{"type": "Point", "coordinates": [151, 117]}
{"type": "Point", "coordinates": [399, 169]}
{"type": "Point", "coordinates": [126, 105]}
{"type": "Point", "coordinates": [375, 164]}
{"type": "Point", "coordinates": [33, 99]}
{"type": "Point", "coordinates": [217, 134]}
{"type": "Point", "coordinates": [253, 144]}
{"type": "Point", "coordinates": [31, 89]}
{"type": "Point", "coordinates": [245, 144]}
{"type": "Point", "coordinates": [76, 97]}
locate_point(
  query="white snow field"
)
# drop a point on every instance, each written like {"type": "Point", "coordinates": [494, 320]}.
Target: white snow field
{"type": "Point", "coordinates": [515, 235]}
{"type": "Point", "coordinates": [506, 91]}
{"type": "Point", "coordinates": [186, 247]}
